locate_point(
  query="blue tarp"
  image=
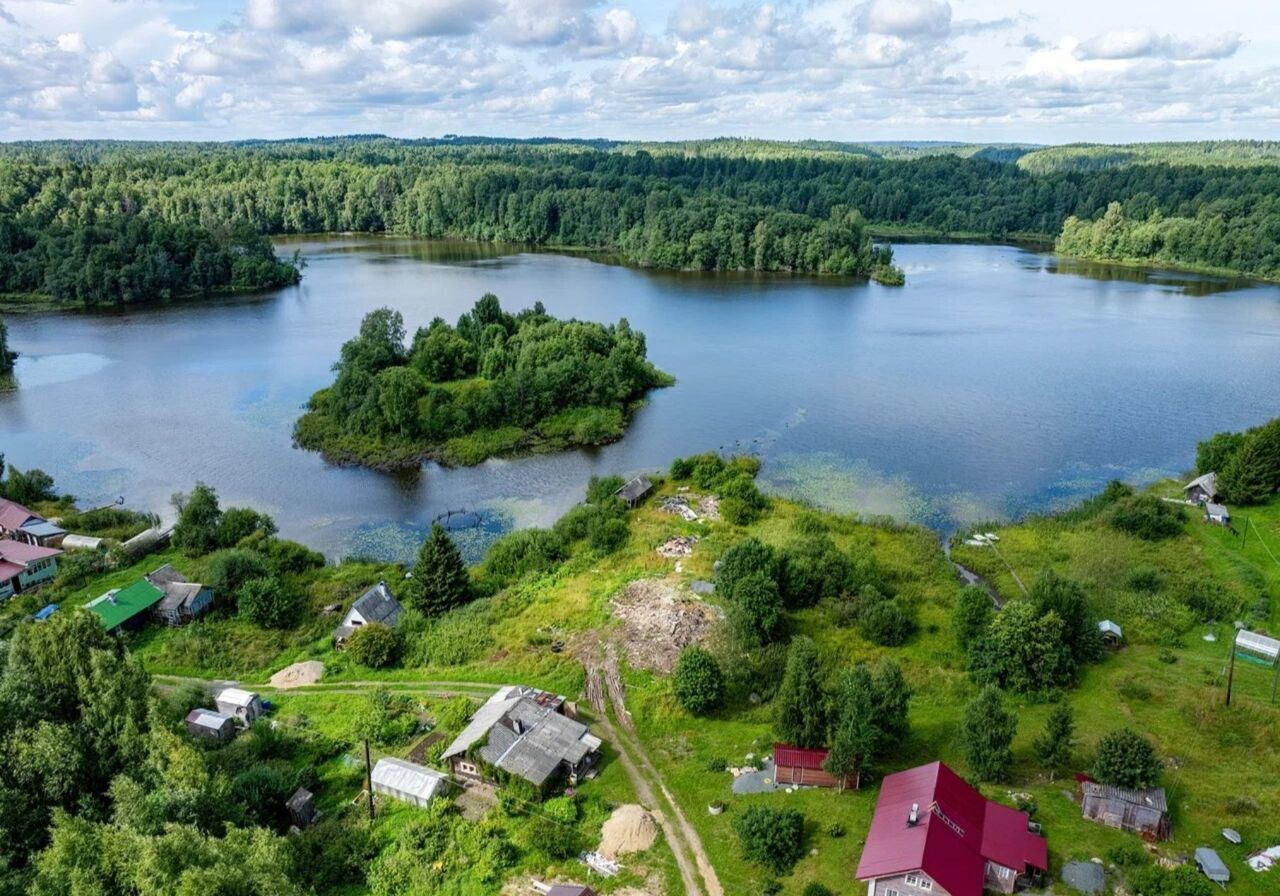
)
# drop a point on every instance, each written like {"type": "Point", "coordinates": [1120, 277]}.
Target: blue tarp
{"type": "Point", "coordinates": [47, 612]}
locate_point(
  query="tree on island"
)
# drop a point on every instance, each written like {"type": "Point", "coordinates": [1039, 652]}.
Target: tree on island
{"type": "Point", "coordinates": [987, 731]}
{"type": "Point", "coordinates": [800, 706]}
{"type": "Point", "coordinates": [440, 581]}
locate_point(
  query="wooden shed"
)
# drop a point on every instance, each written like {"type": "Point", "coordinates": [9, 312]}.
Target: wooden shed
{"type": "Point", "coordinates": [1143, 812]}
{"type": "Point", "coordinates": [803, 767]}
{"type": "Point", "coordinates": [634, 491]}
{"type": "Point", "coordinates": [302, 807]}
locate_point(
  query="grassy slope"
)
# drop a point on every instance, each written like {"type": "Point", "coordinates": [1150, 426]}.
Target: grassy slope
{"type": "Point", "coordinates": [1222, 753]}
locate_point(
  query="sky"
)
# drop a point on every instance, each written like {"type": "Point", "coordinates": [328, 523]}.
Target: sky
{"type": "Point", "coordinates": [972, 70]}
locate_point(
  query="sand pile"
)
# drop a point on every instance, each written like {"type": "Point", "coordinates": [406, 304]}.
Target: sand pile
{"type": "Point", "coordinates": [298, 674]}
{"type": "Point", "coordinates": [629, 829]}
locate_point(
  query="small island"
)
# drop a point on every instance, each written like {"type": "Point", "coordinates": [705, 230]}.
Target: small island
{"type": "Point", "coordinates": [494, 384]}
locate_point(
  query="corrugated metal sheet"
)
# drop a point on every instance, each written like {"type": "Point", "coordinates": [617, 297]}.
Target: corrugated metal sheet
{"type": "Point", "coordinates": [407, 781]}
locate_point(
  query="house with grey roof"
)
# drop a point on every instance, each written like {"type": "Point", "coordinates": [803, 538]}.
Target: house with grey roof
{"type": "Point", "coordinates": [1202, 489]}
{"type": "Point", "coordinates": [210, 724]}
{"type": "Point", "coordinates": [377, 604]}
{"type": "Point", "coordinates": [635, 490]}
{"type": "Point", "coordinates": [524, 732]}
{"type": "Point", "coordinates": [183, 600]}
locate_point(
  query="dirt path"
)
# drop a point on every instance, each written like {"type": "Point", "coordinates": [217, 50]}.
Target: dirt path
{"type": "Point", "coordinates": [605, 691]}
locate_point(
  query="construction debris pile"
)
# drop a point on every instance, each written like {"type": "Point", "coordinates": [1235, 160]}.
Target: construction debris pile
{"type": "Point", "coordinates": [658, 621]}
{"type": "Point", "coordinates": [677, 546]}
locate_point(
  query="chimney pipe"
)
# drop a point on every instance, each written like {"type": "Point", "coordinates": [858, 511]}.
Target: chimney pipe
{"type": "Point", "coordinates": [914, 817]}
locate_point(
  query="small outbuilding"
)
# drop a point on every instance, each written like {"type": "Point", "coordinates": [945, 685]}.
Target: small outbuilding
{"type": "Point", "coordinates": [407, 781]}
{"type": "Point", "coordinates": [209, 724]}
{"type": "Point", "coordinates": [183, 601]}
{"type": "Point", "coordinates": [302, 807]}
{"type": "Point", "coordinates": [83, 543]}
{"type": "Point", "coordinates": [1217, 514]}
{"type": "Point", "coordinates": [1110, 632]}
{"type": "Point", "coordinates": [245, 706]}
{"type": "Point", "coordinates": [803, 768]}
{"type": "Point", "coordinates": [1143, 812]}
{"type": "Point", "coordinates": [377, 604]}
{"type": "Point", "coordinates": [1211, 866]}
{"type": "Point", "coordinates": [1202, 489]}
{"type": "Point", "coordinates": [126, 608]}
{"type": "Point", "coordinates": [635, 491]}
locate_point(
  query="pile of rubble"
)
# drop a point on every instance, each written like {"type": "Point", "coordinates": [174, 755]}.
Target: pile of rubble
{"type": "Point", "coordinates": [658, 622]}
{"type": "Point", "coordinates": [677, 546]}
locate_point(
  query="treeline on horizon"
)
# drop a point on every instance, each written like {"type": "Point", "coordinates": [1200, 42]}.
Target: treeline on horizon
{"type": "Point", "coordinates": [714, 205]}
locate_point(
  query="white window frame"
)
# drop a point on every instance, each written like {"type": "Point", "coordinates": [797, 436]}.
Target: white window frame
{"type": "Point", "coordinates": [913, 880]}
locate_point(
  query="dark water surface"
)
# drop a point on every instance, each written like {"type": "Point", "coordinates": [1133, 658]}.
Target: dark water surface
{"type": "Point", "coordinates": [996, 382]}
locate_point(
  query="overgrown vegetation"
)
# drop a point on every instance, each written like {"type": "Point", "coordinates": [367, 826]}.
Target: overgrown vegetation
{"type": "Point", "coordinates": [494, 384]}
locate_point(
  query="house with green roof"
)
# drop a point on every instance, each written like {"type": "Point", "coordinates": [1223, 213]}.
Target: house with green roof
{"type": "Point", "coordinates": [125, 608]}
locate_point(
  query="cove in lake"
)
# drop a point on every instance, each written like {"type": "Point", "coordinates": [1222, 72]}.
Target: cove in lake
{"type": "Point", "coordinates": [997, 382]}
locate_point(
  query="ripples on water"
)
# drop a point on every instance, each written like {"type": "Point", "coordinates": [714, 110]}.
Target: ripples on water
{"type": "Point", "coordinates": [997, 382]}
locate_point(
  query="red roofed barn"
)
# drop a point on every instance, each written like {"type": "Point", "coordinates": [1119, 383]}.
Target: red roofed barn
{"type": "Point", "coordinates": [934, 835]}
{"type": "Point", "coordinates": [800, 766]}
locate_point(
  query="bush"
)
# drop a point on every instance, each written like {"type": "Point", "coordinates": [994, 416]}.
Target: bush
{"type": "Point", "coordinates": [741, 503]}
{"type": "Point", "coordinates": [1127, 759]}
{"type": "Point", "coordinates": [267, 603]}
{"type": "Point", "coordinates": [718, 764]}
{"type": "Point", "coordinates": [887, 623]}
{"type": "Point", "coordinates": [743, 559]}
{"type": "Point", "coordinates": [601, 489]}
{"type": "Point", "coordinates": [239, 523]}
{"type": "Point", "coordinates": [608, 536]}
{"type": "Point", "coordinates": [231, 569]}
{"type": "Point", "coordinates": [374, 645]}
{"type": "Point", "coordinates": [811, 570]}
{"type": "Point", "coordinates": [522, 552]}
{"type": "Point", "coordinates": [1148, 517]}
{"type": "Point", "coordinates": [815, 889]}
{"type": "Point", "coordinates": [835, 831]}
{"type": "Point", "coordinates": [290, 557]}
{"type": "Point", "coordinates": [697, 681]}
{"type": "Point", "coordinates": [771, 837]}
{"type": "Point", "coordinates": [756, 614]}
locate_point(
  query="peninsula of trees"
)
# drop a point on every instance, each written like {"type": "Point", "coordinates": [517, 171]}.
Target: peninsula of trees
{"type": "Point", "coordinates": [494, 384]}
{"type": "Point", "coordinates": [105, 221]}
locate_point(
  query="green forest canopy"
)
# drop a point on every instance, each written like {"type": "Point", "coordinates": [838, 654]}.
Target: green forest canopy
{"type": "Point", "coordinates": [509, 381]}
{"type": "Point", "coordinates": [708, 205]}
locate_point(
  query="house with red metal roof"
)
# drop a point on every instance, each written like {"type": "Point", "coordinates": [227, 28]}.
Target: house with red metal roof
{"type": "Point", "coordinates": [24, 566]}
{"type": "Point", "coordinates": [801, 767]}
{"type": "Point", "coordinates": [934, 835]}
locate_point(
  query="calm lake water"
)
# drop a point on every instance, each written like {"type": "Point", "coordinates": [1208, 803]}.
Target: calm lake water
{"type": "Point", "coordinates": [997, 382]}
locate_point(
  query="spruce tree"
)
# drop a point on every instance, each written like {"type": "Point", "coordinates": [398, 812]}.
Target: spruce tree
{"type": "Point", "coordinates": [1053, 747]}
{"type": "Point", "coordinates": [800, 707]}
{"type": "Point", "coordinates": [988, 730]}
{"type": "Point", "coordinates": [440, 581]}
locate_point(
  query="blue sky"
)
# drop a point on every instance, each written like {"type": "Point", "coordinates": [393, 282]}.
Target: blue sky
{"type": "Point", "coordinates": [1035, 71]}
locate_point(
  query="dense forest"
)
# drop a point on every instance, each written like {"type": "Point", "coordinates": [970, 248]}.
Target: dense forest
{"type": "Point", "coordinates": [710, 205]}
{"type": "Point", "coordinates": [493, 384]}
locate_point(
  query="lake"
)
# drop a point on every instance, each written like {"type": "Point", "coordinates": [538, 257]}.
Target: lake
{"type": "Point", "coordinates": [998, 382]}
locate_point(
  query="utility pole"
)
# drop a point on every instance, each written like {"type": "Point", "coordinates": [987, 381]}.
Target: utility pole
{"type": "Point", "coordinates": [1231, 668]}
{"type": "Point", "coordinates": [1245, 539]}
{"type": "Point", "coordinates": [369, 771]}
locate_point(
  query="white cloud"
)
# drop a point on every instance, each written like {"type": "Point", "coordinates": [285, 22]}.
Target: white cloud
{"type": "Point", "coordinates": [1136, 43]}
{"type": "Point", "coordinates": [906, 18]}
{"type": "Point", "coordinates": [785, 68]}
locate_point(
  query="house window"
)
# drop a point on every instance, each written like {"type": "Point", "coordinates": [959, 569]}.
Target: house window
{"type": "Point", "coordinates": [913, 880]}
{"type": "Point", "coordinates": [890, 892]}
{"type": "Point", "coordinates": [925, 883]}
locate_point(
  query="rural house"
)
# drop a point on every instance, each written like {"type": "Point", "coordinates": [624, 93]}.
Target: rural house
{"type": "Point", "coordinates": [126, 608]}
{"type": "Point", "coordinates": [210, 724]}
{"type": "Point", "coordinates": [377, 604]}
{"type": "Point", "coordinates": [934, 835]}
{"type": "Point", "coordinates": [635, 490]}
{"type": "Point", "coordinates": [407, 781]}
{"type": "Point", "coordinates": [524, 732]}
{"type": "Point", "coordinates": [1202, 489]}
{"type": "Point", "coordinates": [240, 704]}
{"type": "Point", "coordinates": [1144, 812]}
{"type": "Point", "coordinates": [183, 600]}
{"type": "Point", "coordinates": [24, 566]}
{"type": "Point", "coordinates": [24, 525]}
{"type": "Point", "coordinates": [803, 767]}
